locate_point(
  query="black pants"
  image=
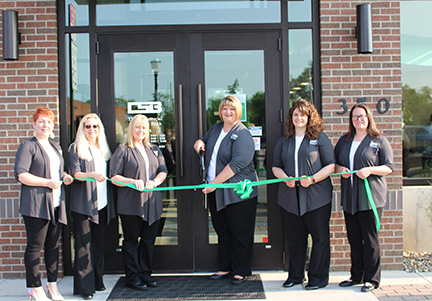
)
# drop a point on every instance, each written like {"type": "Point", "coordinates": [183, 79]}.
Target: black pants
{"type": "Point", "coordinates": [365, 247]}
{"type": "Point", "coordinates": [89, 251]}
{"type": "Point", "coordinates": [41, 233]}
{"type": "Point", "coordinates": [235, 227]}
{"type": "Point", "coordinates": [297, 228]}
{"type": "Point", "coordinates": [138, 256]}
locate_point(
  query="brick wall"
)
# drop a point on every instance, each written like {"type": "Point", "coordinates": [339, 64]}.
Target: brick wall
{"type": "Point", "coordinates": [350, 76]}
{"type": "Point", "coordinates": [26, 84]}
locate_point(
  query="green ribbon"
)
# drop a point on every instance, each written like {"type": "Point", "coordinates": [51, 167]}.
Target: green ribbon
{"type": "Point", "coordinates": [244, 188]}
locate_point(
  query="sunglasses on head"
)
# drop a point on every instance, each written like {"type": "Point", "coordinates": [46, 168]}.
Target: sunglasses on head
{"type": "Point", "coordinates": [95, 126]}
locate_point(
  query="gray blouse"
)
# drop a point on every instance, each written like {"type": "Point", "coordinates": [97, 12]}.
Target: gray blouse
{"type": "Point", "coordinates": [129, 163]}
{"type": "Point", "coordinates": [84, 193]}
{"type": "Point", "coordinates": [237, 149]}
{"type": "Point", "coordinates": [371, 152]}
{"type": "Point", "coordinates": [37, 201]}
{"type": "Point", "coordinates": [313, 155]}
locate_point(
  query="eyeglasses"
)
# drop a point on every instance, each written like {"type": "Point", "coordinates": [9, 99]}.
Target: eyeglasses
{"type": "Point", "coordinates": [355, 117]}
{"type": "Point", "coordinates": [95, 126]}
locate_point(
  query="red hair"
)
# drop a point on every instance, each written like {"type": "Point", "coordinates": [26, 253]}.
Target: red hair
{"type": "Point", "coordinates": [45, 112]}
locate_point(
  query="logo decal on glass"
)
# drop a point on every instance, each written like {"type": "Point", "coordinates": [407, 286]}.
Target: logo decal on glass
{"type": "Point", "coordinates": [147, 107]}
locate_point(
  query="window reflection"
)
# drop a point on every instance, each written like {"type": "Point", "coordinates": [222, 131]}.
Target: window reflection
{"type": "Point", "coordinates": [153, 12]}
{"type": "Point", "coordinates": [416, 56]}
{"type": "Point", "coordinates": [78, 79]}
{"type": "Point", "coordinates": [299, 10]}
{"type": "Point", "coordinates": [300, 64]}
{"type": "Point", "coordinates": [77, 12]}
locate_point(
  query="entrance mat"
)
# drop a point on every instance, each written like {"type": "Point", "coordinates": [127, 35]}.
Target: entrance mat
{"type": "Point", "coordinates": [190, 288]}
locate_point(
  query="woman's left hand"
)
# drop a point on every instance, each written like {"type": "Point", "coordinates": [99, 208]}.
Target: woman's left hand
{"type": "Point", "coordinates": [150, 184]}
{"type": "Point", "coordinates": [208, 190]}
{"type": "Point", "coordinates": [68, 179]}
{"type": "Point", "coordinates": [306, 182]}
{"type": "Point", "coordinates": [363, 173]}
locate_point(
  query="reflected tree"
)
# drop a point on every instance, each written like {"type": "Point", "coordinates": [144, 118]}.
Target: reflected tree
{"type": "Point", "coordinates": [416, 105]}
{"type": "Point", "coordinates": [301, 86]}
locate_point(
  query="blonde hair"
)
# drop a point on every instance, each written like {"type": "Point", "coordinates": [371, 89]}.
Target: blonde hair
{"type": "Point", "coordinates": [129, 141]}
{"type": "Point", "coordinates": [83, 147]}
{"type": "Point", "coordinates": [233, 101]}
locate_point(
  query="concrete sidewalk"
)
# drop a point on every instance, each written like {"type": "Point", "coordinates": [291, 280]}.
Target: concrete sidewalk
{"type": "Point", "coordinates": [395, 286]}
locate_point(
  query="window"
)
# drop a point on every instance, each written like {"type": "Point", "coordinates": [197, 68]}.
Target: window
{"type": "Point", "coordinates": [416, 57]}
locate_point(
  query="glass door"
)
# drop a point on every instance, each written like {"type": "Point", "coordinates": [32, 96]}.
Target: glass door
{"type": "Point", "coordinates": [145, 74]}
{"type": "Point", "coordinates": [177, 81]}
{"type": "Point", "coordinates": [245, 65]}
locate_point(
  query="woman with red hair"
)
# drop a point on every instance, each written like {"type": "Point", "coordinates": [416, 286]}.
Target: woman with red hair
{"type": "Point", "coordinates": [39, 168]}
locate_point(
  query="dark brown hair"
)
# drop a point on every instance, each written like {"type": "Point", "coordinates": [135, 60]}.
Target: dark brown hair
{"type": "Point", "coordinates": [372, 128]}
{"type": "Point", "coordinates": [315, 122]}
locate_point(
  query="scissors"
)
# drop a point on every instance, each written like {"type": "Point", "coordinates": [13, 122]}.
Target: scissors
{"type": "Point", "coordinates": [204, 177]}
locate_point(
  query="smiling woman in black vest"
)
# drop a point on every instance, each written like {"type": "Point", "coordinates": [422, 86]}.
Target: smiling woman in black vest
{"type": "Point", "coordinates": [229, 151]}
{"type": "Point", "coordinates": [142, 164]}
{"type": "Point", "coordinates": [92, 204]}
{"type": "Point", "coordinates": [305, 150]}
{"type": "Point", "coordinates": [367, 151]}
{"type": "Point", "coordinates": [39, 168]}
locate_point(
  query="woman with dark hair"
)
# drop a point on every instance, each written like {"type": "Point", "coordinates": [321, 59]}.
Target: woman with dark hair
{"type": "Point", "coordinates": [365, 150]}
{"type": "Point", "coordinates": [39, 168]}
{"type": "Point", "coordinates": [229, 150]}
{"type": "Point", "coordinates": [142, 164]}
{"type": "Point", "coordinates": [305, 150]}
{"type": "Point", "coordinates": [92, 205]}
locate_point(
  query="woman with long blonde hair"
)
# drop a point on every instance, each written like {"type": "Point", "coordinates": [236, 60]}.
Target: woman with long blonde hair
{"type": "Point", "coordinates": [91, 203]}
{"type": "Point", "coordinates": [142, 164]}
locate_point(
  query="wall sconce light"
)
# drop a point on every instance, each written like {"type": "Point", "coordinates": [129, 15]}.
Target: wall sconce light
{"type": "Point", "coordinates": [363, 30]}
{"type": "Point", "coordinates": [11, 37]}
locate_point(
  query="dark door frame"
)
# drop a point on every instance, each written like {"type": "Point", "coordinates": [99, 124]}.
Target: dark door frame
{"type": "Point", "coordinates": [193, 253]}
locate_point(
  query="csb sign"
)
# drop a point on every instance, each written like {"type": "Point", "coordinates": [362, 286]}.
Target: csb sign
{"type": "Point", "coordinates": [145, 107]}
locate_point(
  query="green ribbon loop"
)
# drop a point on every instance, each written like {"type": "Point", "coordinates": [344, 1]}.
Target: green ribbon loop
{"type": "Point", "coordinates": [245, 188]}
{"type": "Point", "coordinates": [372, 204]}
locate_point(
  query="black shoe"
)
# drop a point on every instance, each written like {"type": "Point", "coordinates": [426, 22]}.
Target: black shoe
{"type": "Point", "coordinates": [147, 280]}
{"type": "Point", "coordinates": [348, 282]}
{"type": "Point", "coordinates": [367, 287]}
{"type": "Point", "coordinates": [219, 276]}
{"type": "Point", "coordinates": [237, 281]}
{"type": "Point", "coordinates": [140, 286]}
{"type": "Point", "coordinates": [87, 296]}
{"type": "Point", "coordinates": [289, 283]}
{"type": "Point", "coordinates": [101, 289]}
{"type": "Point", "coordinates": [314, 287]}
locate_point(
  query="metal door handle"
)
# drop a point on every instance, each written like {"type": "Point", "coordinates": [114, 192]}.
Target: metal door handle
{"type": "Point", "coordinates": [200, 119]}
{"type": "Point", "coordinates": [180, 105]}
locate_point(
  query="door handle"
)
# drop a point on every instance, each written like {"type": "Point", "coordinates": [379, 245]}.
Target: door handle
{"type": "Point", "coordinates": [180, 105]}
{"type": "Point", "coordinates": [200, 119]}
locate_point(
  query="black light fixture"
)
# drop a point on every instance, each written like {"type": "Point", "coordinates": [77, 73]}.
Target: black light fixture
{"type": "Point", "coordinates": [364, 28]}
{"type": "Point", "coordinates": [11, 37]}
{"type": "Point", "coordinates": [155, 68]}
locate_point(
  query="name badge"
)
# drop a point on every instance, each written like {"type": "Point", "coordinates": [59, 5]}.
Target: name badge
{"type": "Point", "coordinates": [313, 142]}
{"type": "Point", "coordinates": [234, 137]}
{"type": "Point", "coordinates": [374, 145]}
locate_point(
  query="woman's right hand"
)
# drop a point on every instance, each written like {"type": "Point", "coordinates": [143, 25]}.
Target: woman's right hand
{"type": "Point", "coordinates": [345, 169]}
{"type": "Point", "coordinates": [98, 176]}
{"type": "Point", "coordinates": [139, 184]}
{"type": "Point", "coordinates": [53, 184]}
{"type": "Point", "coordinates": [290, 183]}
{"type": "Point", "coordinates": [199, 146]}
